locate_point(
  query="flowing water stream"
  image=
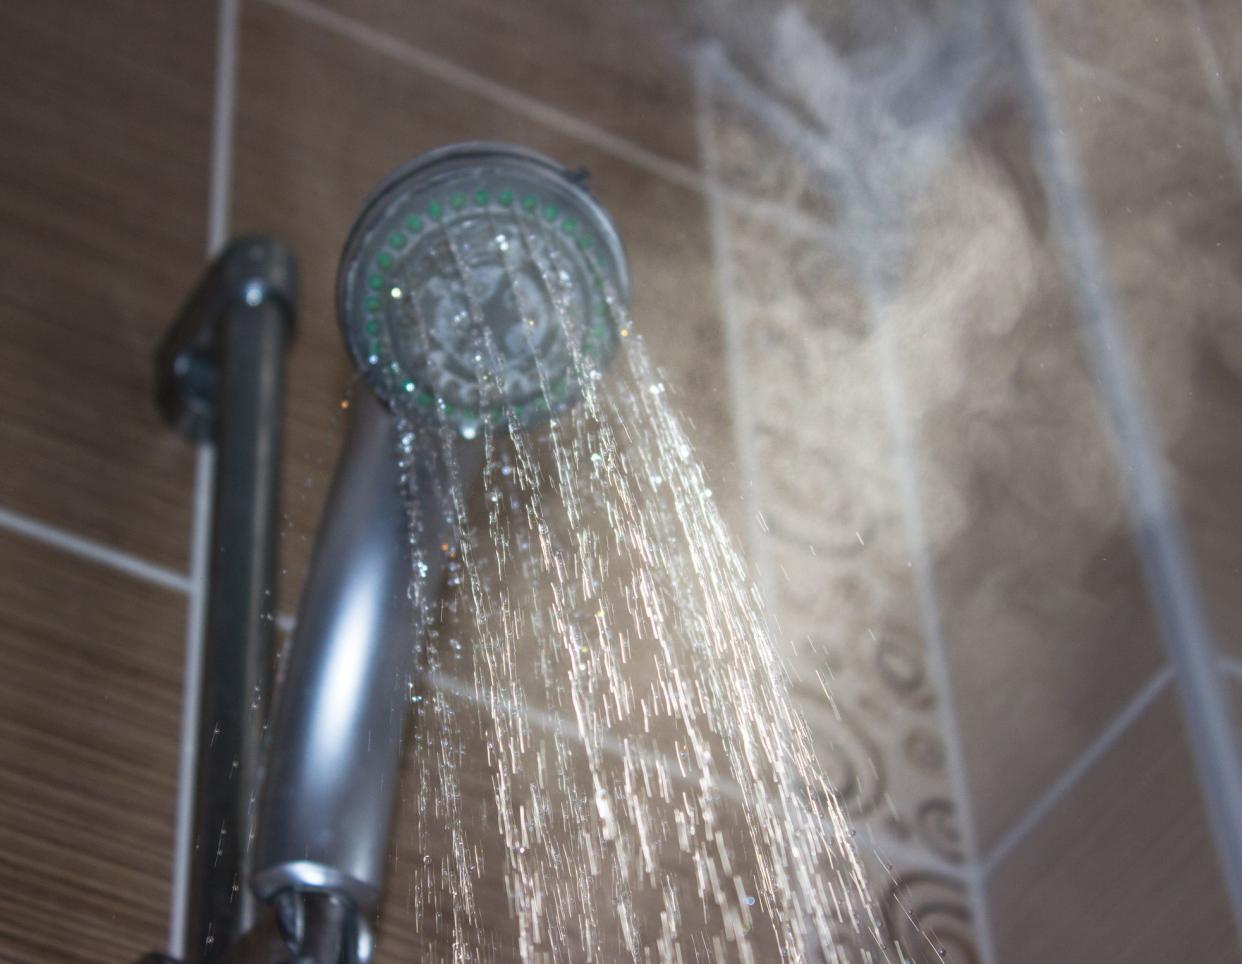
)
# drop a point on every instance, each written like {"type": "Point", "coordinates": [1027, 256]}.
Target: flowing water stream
{"type": "Point", "coordinates": [657, 795]}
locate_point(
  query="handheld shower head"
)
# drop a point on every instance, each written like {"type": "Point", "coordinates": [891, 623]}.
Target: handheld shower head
{"type": "Point", "coordinates": [478, 287]}
{"type": "Point", "coordinates": [476, 283]}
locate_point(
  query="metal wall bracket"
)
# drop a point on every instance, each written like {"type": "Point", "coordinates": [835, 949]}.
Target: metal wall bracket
{"type": "Point", "coordinates": [251, 272]}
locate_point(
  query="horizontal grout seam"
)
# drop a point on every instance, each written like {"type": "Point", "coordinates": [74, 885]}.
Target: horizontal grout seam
{"type": "Point", "coordinates": [1112, 733]}
{"type": "Point", "coordinates": [794, 221]}
{"type": "Point", "coordinates": [170, 579]}
{"type": "Point", "coordinates": [98, 552]}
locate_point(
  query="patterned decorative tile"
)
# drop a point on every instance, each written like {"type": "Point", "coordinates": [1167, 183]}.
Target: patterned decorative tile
{"type": "Point", "coordinates": [925, 913]}
{"type": "Point", "coordinates": [748, 165]}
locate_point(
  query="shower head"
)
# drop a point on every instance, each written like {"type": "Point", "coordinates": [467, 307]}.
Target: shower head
{"type": "Point", "coordinates": [479, 283]}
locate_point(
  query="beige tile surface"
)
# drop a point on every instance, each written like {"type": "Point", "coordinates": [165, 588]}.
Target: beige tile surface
{"type": "Point", "coordinates": [831, 540]}
{"type": "Point", "coordinates": [103, 193]}
{"type": "Point", "coordinates": [1043, 609]}
{"type": "Point", "coordinates": [1147, 47]}
{"type": "Point", "coordinates": [1041, 603]}
{"type": "Point", "coordinates": [752, 161]}
{"type": "Point", "coordinates": [322, 119]}
{"type": "Point", "coordinates": [90, 686]}
{"type": "Point", "coordinates": [1123, 869]}
{"type": "Point", "coordinates": [1167, 196]}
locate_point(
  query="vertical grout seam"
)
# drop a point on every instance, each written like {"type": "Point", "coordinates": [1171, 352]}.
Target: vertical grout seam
{"type": "Point", "coordinates": [218, 201]}
{"type": "Point", "coordinates": [1168, 568]}
{"type": "Point", "coordinates": [452, 74]}
{"type": "Point", "coordinates": [97, 552]}
{"type": "Point", "coordinates": [1226, 117]}
{"type": "Point", "coordinates": [930, 616]}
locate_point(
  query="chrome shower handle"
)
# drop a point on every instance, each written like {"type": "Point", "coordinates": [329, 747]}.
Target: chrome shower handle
{"type": "Point", "coordinates": [335, 738]}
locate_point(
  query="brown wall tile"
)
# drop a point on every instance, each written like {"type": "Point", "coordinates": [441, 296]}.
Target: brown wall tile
{"type": "Point", "coordinates": [103, 193]}
{"type": "Point", "coordinates": [614, 66]}
{"type": "Point", "coordinates": [90, 686]}
{"type": "Point", "coordinates": [1123, 869]}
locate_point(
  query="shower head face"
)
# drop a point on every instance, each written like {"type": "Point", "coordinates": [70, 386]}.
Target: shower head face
{"type": "Point", "coordinates": [480, 283]}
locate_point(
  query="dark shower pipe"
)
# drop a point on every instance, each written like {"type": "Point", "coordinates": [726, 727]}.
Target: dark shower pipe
{"type": "Point", "coordinates": [220, 377]}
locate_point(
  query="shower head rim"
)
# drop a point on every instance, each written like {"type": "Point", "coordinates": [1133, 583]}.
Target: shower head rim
{"type": "Point", "coordinates": [445, 160]}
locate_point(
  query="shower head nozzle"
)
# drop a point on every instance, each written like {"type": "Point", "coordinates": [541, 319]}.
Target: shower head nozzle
{"type": "Point", "coordinates": [480, 282]}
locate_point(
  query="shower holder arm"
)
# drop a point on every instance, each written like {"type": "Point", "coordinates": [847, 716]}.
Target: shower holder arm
{"type": "Point", "coordinates": [220, 381]}
{"type": "Point", "coordinates": [252, 276]}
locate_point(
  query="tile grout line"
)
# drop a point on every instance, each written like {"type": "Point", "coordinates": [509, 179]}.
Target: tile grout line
{"type": "Point", "coordinates": [930, 617]}
{"type": "Point", "coordinates": [218, 202]}
{"type": "Point", "coordinates": [462, 78]}
{"type": "Point", "coordinates": [194, 584]}
{"type": "Point", "coordinates": [1108, 737]}
{"type": "Point", "coordinates": [191, 686]}
{"type": "Point", "coordinates": [722, 264]}
{"type": "Point", "coordinates": [97, 552]}
{"type": "Point", "coordinates": [523, 105]}
{"type": "Point", "coordinates": [968, 875]}
{"type": "Point", "coordinates": [1142, 97]}
{"type": "Point", "coordinates": [1226, 118]}
{"type": "Point", "coordinates": [1167, 565]}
